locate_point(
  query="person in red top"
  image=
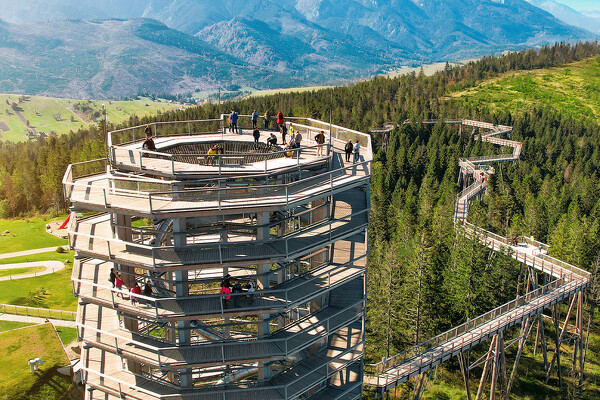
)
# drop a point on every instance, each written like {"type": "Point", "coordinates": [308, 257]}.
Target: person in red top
{"type": "Point", "coordinates": [136, 289]}
{"type": "Point", "coordinates": [226, 291]}
{"type": "Point", "coordinates": [119, 283]}
{"type": "Point", "coordinates": [280, 121]}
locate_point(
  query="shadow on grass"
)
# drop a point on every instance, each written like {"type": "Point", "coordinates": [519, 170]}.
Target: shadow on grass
{"type": "Point", "coordinates": [49, 385]}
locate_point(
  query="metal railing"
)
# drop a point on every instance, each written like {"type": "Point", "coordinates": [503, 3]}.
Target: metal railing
{"type": "Point", "coordinates": [492, 158]}
{"type": "Point", "coordinates": [473, 331]}
{"type": "Point", "coordinates": [448, 344]}
{"type": "Point", "coordinates": [220, 164]}
{"type": "Point", "coordinates": [218, 197]}
{"type": "Point", "coordinates": [319, 281]}
{"type": "Point", "coordinates": [161, 129]}
{"type": "Point", "coordinates": [37, 312]}
{"type": "Point", "coordinates": [326, 368]}
{"type": "Point", "coordinates": [163, 256]}
{"type": "Point", "coordinates": [282, 347]}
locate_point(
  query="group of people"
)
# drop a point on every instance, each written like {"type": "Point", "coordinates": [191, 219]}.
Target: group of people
{"type": "Point", "coordinates": [350, 149]}
{"type": "Point", "coordinates": [228, 288]}
{"type": "Point", "coordinates": [293, 143]}
{"type": "Point", "coordinates": [116, 279]}
{"type": "Point", "coordinates": [234, 116]}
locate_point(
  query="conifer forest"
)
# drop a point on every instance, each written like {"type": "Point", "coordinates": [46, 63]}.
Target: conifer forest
{"type": "Point", "coordinates": [423, 278]}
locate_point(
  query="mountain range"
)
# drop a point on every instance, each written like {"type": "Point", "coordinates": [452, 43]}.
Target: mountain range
{"type": "Point", "coordinates": [589, 20]}
{"type": "Point", "coordinates": [112, 49]}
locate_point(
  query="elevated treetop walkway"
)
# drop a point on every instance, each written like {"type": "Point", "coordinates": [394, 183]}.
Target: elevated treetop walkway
{"type": "Point", "coordinates": [569, 279]}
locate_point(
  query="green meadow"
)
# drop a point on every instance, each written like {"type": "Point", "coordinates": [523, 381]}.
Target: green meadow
{"type": "Point", "coordinates": [573, 89]}
{"type": "Point", "coordinates": [39, 341]}
{"type": "Point", "coordinates": [48, 114]}
{"type": "Point", "coordinates": [26, 234]}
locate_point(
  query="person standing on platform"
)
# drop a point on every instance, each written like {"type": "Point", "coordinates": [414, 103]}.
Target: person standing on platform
{"type": "Point", "coordinates": [280, 121]}
{"type": "Point", "coordinates": [298, 139]}
{"type": "Point", "coordinates": [320, 139]}
{"type": "Point", "coordinates": [148, 291]}
{"type": "Point", "coordinates": [356, 152]}
{"type": "Point", "coordinates": [233, 117]}
{"type": "Point", "coordinates": [267, 118]}
{"type": "Point", "coordinates": [251, 291]}
{"type": "Point", "coordinates": [237, 288]}
{"type": "Point", "coordinates": [256, 135]}
{"type": "Point", "coordinates": [112, 277]}
{"type": "Point", "coordinates": [119, 284]}
{"type": "Point", "coordinates": [349, 148]}
{"type": "Point", "coordinates": [283, 133]}
{"type": "Point", "coordinates": [135, 290]}
{"type": "Point", "coordinates": [226, 292]}
{"type": "Point", "coordinates": [254, 119]}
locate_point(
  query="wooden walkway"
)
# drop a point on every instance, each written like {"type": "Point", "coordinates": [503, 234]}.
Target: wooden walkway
{"type": "Point", "coordinates": [569, 280]}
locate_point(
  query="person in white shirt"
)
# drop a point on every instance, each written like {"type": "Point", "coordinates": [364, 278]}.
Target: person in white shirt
{"type": "Point", "coordinates": [356, 152]}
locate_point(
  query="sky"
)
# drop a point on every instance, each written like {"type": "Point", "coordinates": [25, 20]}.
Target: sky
{"type": "Point", "coordinates": [582, 4]}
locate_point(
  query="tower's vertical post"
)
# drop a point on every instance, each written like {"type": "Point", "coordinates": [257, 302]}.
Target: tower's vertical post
{"type": "Point", "coordinates": [182, 290]}
{"type": "Point", "coordinates": [262, 233]}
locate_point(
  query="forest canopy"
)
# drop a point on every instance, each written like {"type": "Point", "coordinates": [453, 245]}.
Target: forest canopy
{"type": "Point", "coordinates": [422, 277]}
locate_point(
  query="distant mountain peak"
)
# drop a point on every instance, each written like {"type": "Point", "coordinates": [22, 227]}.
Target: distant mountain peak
{"type": "Point", "coordinates": [185, 45]}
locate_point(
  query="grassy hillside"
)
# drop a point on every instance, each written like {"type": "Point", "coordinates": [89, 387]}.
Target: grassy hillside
{"type": "Point", "coordinates": [47, 114]}
{"type": "Point", "coordinates": [26, 234]}
{"type": "Point", "coordinates": [16, 382]}
{"type": "Point", "coordinates": [573, 90]}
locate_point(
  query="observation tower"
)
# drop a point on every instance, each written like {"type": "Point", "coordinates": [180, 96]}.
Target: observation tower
{"type": "Point", "coordinates": [183, 225]}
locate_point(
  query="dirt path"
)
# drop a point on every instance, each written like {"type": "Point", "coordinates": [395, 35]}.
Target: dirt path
{"type": "Point", "coordinates": [36, 320]}
{"type": "Point", "coordinates": [51, 267]}
{"type": "Point", "coordinates": [24, 121]}
{"type": "Point", "coordinates": [29, 252]}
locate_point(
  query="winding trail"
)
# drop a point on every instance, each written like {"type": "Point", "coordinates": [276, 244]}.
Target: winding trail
{"type": "Point", "coordinates": [569, 280]}
{"type": "Point", "coordinates": [51, 267]}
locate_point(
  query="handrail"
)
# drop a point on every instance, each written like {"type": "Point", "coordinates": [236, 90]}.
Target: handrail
{"type": "Point", "coordinates": [273, 293]}
{"type": "Point", "coordinates": [330, 366]}
{"type": "Point", "coordinates": [222, 194]}
{"type": "Point", "coordinates": [38, 312]}
{"type": "Point", "coordinates": [285, 351]}
{"type": "Point", "coordinates": [153, 250]}
{"type": "Point", "coordinates": [471, 325]}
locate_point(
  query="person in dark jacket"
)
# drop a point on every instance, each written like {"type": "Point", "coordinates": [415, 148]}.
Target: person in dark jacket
{"type": "Point", "coordinates": [112, 277]}
{"type": "Point", "coordinates": [148, 291]}
{"type": "Point", "coordinates": [349, 148]}
{"type": "Point", "coordinates": [237, 288]}
{"type": "Point", "coordinates": [233, 119]}
{"type": "Point", "coordinates": [256, 135]}
{"type": "Point", "coordinates": [149, 143]}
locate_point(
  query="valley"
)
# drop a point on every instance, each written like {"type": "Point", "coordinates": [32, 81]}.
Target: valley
{"type": "Point", "coordinates": [21, 116]}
